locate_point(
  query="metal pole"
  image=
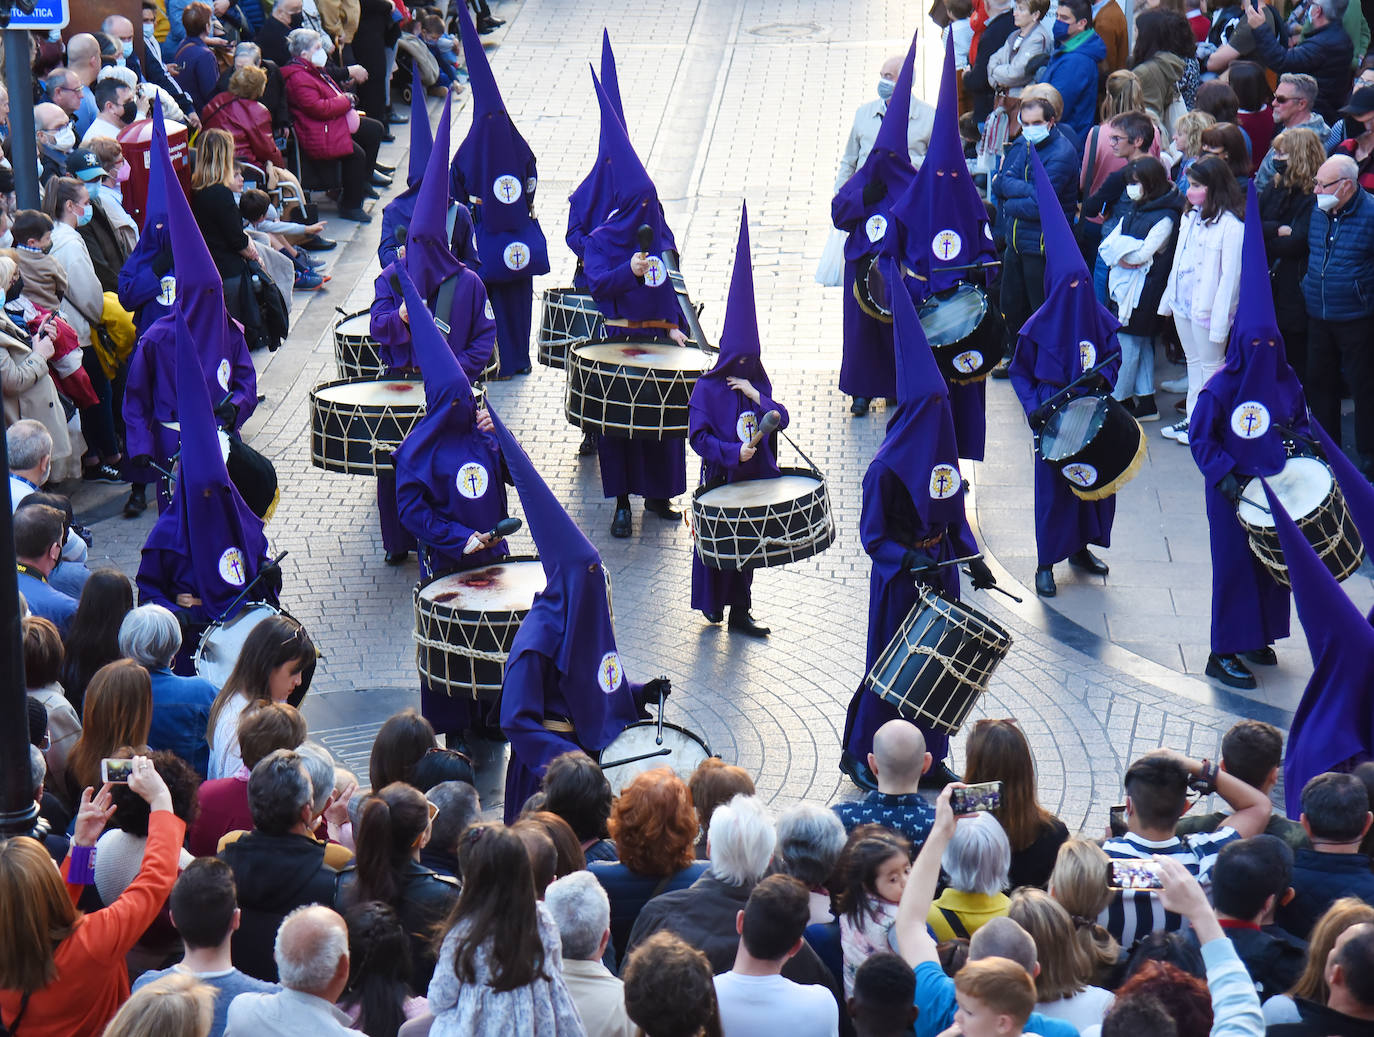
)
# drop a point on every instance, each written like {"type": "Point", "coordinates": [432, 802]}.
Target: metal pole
{"type": "Point", "coordinates": [18, 812]}
{"type": "Point", "coordinates": [23, 141]}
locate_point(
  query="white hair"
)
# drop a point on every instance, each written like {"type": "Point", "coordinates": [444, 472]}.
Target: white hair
{"type": "Point", "coordinates": [38, 768]}
{"type": "Point", "coordinates": [300, 41]}
{"type": "Point", "coordinates": [310, 942]}
{"type": "Point", "coordinates": [1347, 166]}
{"type": "Point", "coordinates": [119, 72]}
{"type": "Point", "coordinates": [741, 839]}
{"type": "Point", "coordinates": [582, 912]}
{"type": "Point", "coordinates": [319, 764]}
{"type": "Point", "coordinates": [151, 636]}
{"type": "Point", "coordinates": [27, 443]}
{"type": "Point", "coordinates": [978, 857]}
{"type": "Point", "coordinates": [810, 840]}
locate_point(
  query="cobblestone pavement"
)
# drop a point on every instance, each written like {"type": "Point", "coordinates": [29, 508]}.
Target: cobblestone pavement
{"type": "Point", "coordinates": [728, 100]}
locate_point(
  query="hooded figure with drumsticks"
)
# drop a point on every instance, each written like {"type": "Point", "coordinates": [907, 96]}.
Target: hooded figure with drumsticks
{"type": "Point", "coordinates": [913, 527]}
{"type": "Point", "coordinates": [730, 415]}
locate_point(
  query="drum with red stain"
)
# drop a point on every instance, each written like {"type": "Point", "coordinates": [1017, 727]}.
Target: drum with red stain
{"type": "Point", "coordinates": [355, 423]}
{"type": "Point", "coordinates": [633, 390]}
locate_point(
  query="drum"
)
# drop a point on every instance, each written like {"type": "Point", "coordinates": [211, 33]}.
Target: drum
{"type": "Point", "coordinates": [253, 475]}
{"type": "Point", "coordinates": [568, 318]}
{"type": "Point", "coordinates": [1310, 494]}
{"type": "Point", "coordinates": [356, 352]}
{"type": "Point", "coordinates": [222, 641]}
{"type": "Point", "coordinates": [633, 390]}
{"type": "Point", "coordinates": [1095, 445]}
{"type": "Point", "coordinates": [870, 288]}
{"type": "Point", "coordinates": [761, 522]}
{"type": "Point", "coordinates": [939, 662]}
{"type": "Point", "coordinates": [963, 333]}
{"type": "Point", "coordinates": [466, 621]}
{"type": "Point", "coordinates": [355, 423]}
{"type": "Point", "coordinates": [636, 750]}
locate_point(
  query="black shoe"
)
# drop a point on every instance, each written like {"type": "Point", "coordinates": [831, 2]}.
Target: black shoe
{"type": "Point", "coordinates": [620, 524]}
{"type": "Point", "coordinates": [379, 179]}
{"type": "Point", "coordinates": [1230, 671]}
{"type": "Point", "coordinates": [397, 118]}
{"type": "Point", "coordinates": [860, 406]}
{"type": "Point", "coordinates": [662, 507]}
{"type": "Point", "coordinates": [938, 776]}
{"type": "Point", "coordinates": [486, 28]}
{"type": "Point", "coordinates": [1089, 563]}
{"type": "Point", "coordinates": [588, 445]}
{"type": "Point", "coordinates": [397, 557]}
{"type": "Point", "coordinates": [136, 505]}
{"type": "Point", "coordinates": [1266, 656]}
{"type": "Point", "coordinates": [1145, 408]}
{"type": "Point", "coordinates": [386, 167]}
{"type": "Point", "coordinates": [713, 617]}
{"type": "Point", "coordinates": [106, 473]}
{"type": "Point", "coordinates": [493, 21]}
{"type": "Point", "coordinates": [315, 243]}
{"type": "Point", "coordinates": [372, 193]}
{"type": "Point", "coordinates": [357, 214]}
{"type": "Point", "coordinates": [388, 137]}
{"type": "Point", "coordinates": [1044, 582]}
{"type": "Point", "coordinates": [858, 772]}
{"type": "Point", "coordinates": [1003, 368]}
{"type": "Point", "coordinates": [741, 620]}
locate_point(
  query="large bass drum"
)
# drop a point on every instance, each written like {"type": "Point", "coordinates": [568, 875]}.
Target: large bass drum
{"type": "Point", "coordinates": [1308, 491]}
{"type": "Point", "coordinates": [1094, 443]}
{"type": "Point", "coordinates": [871, 290]}
{"type": "Point", "coordinates": [568, 318]}
{"type": "Point", "coordinates": [633, 390]}
{"type": "Point", "coordinates": [223, 640]}
{"type": "Point", "coordinates": [963, 332]}
{"type": "Point", "coordinates": [356, 353]}
{"type": "Point", "coordinates": [637, 749]}
{"type": "Point", "coordinates": [465, 623]}
{"type": "Point", "coordinates": [356, 423]}
{"type": "Point", "coordinates": [762, 522]}
{"type": "Point", "coordinates": [939, 662]}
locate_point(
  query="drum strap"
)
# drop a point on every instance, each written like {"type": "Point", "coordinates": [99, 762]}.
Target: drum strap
{"type": "Point", "coordinates": [443, 302]}
{"type": "Point", "coordinates": [621, 322]}
{"type": "Point", "coordinates": [558, 725]}
{"type": "Point", "coordinates": [956, 925]}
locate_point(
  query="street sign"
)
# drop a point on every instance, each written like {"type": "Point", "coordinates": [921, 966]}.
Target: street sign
{"type": "Point", "coordinates": [47, 14]}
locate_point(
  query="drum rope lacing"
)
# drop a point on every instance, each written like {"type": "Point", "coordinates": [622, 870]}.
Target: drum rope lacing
{"type": "Point", "coordinates": [468, 651]}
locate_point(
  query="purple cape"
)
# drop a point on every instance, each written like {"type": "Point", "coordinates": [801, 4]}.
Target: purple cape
{"type": "Point", "coordinates": [208, 525]}
{"type": "Point", "coordinates": [494, 172]}
{"type": "Point", "coordinates": [588, 202]}
{"type": "Point", "coordinates": [1334, 722]}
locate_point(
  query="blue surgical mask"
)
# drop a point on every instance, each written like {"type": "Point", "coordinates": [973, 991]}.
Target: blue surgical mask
{"type": "Point", "coordinates": [85, 216]}
{"type": "Point", "coordinates": [128, 48]}
{"type": "Point", "coordinates": [885, 88]}
{"type": "Point", "coordinates": [1035, 134]}
{"type": "Point", "coordinates": [1061, 31]}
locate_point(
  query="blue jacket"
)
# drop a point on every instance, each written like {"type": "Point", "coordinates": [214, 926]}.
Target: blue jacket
{"type": "Point", "coordinates": [1318, 880]}
{"type": "Point", "coordinates": [181, 713]}
{"type": "Point", "coordinates": [1073, 71]}
{"type": "Point", "coordinates": [1325, 55]}
{"type": "Point", "coordinates": [1339, 283]}
{"type": "Point", "coordinates": [1019, 212]}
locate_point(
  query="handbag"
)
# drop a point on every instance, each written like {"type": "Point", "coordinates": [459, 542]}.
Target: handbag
{"type": "Point", "coordinates": [830, 270]}
{"type": "Point", "coordinates": [276, 318]}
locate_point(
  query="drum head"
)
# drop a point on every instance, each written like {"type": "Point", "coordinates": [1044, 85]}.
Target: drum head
{"type": "Point", "coordinates": [685, 752]}
{"type": "Point", "coordinates": [1301, 488]}
{"type": "Point", "coordinates": [221, 644]}
{"type": "Point", "coordinates": [355, 326]}
{"type": "Point", "coordinates": [759, 492]}
{"type": "Point", "coordinates": [504, 587]}
{"type": "Point", "coordinates": [374, 392]}
{"type": "Point", "coordinates": [662, 356]}
{"type": "Point", "coordinates": [1072, 427]}
{"type": "Point", "coordinates": [175, 426]}
{"type": "Point", "coordinates": [953, 315]}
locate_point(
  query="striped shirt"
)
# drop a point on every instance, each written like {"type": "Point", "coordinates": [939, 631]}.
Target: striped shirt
{"type": "Point", "coordinates": [1133, 915]}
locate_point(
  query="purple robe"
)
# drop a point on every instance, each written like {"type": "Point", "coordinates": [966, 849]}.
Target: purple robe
{"type": "Point", "coordinates": [140, 278]}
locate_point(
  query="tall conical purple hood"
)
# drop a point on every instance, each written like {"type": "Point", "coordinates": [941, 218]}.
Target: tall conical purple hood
{"type": "Point", "coordinates": [421, 139]}
{"type": "Point", "coordinates": [429, 260]}
{"type": "Point", "coordinates": [590, 200]}
{"type": "Point", "coordinates": [740, 348]}
{"type": "Point", "coordinates": [610, 78]}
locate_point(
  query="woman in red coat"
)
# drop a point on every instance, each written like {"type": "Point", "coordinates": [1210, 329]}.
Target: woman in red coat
{"type": "Point", "coordinates": [239, 112]}
{"type": "Point", "coordinates": [326, 123]}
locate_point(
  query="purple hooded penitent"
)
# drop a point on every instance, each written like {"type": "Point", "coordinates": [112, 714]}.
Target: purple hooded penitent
{"type": "Point", "coordinates": [589, 201]}
{"type": "Point", "coordinates": [912, 494]}
{"type": "Point", "coordinates": [1334, 721]}
{"type": "Point", "coordinates": [1070, 333]}
{"type": "Point", "coordinates": [141, 276]}
{"type": "Point", "coordinates": [721, 419]}
{"type": "Point", "coordinates": [563, 660]}
{"type": "Point", "coordinates": [399, 211]}
{"type": "Point", "coordinates": [1238, 426]}
{"type": "Point", "coordinates": [208, 543]}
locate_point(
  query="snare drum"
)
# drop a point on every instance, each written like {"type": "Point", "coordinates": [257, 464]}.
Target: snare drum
{"type": "Point", "coordinates": [568, 318]}
{"type": "Point", "coordinates": [465, 623]}
{"type": "Point", "coordinates": [939, 662]}
{"type": "Point", "coordinates": [963, 333]}
{"type": "Point", "coordinates": [1308, 491]}
{"type": "Point", "coordinates": [356, 423]}
{"type": "Point", "coordinates": [870, 288]}
{"type": "Point", "coordinates": [762, 522]}
{"type": "Point", "coordinates": [636, 750]}
{"type": "Point", "coordinates": [356, 353]}
{"type": "Point", "coordinates": [1094, 443]}
{"type": "Point", "coordinates": [222, 642]}
{"type": "Point", "coordinates": [633, 390]}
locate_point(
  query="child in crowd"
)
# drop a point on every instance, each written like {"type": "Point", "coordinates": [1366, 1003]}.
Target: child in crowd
{"type": "Point", "coordinates": [260, 217]}
{"type": "Point", "coordinates": [444, 47]}
{"type": "Point", "coordinates": [960, 13]}
{"type": "Point", "coordinates": [996, 996]}
{"type": "Point", "coordinates": [873, 868]}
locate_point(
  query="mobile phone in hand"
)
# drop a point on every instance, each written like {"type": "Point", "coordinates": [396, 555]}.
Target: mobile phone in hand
{"type": "Point", "coordinates": [1116, 820]}
{"type": "Point", "coordinates": [1134, 875]}
{"type": "Point", "coordinates": [116, 772]}
{"type": "Point", "coordinates": [986, 795]}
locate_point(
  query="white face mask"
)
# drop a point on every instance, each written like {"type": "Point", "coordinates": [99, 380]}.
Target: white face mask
{"type": "Point", "coordinates": [1134, 192]}
{"type": "Point", "coordinates": [318, 57]}
{"type": "Point", "coordinates": [64, 139]}
{"type": "Point", "coordinates": [1327, 202]}
{"type": "Point", "coordinates": [1036, 132]}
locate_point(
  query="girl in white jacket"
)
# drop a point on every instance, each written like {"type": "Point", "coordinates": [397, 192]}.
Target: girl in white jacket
{"type": "Point", "coordinates": [1204, 281]}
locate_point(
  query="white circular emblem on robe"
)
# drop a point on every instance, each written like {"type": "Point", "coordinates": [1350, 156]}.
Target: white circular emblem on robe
{"type": "Point", "coordinates": [1087, 354]}
{"type": "Point", "coordinates": [472, 480]}
{"type": "Point", "coordinates": [222, 374]}
{"type": "Point", "coordinates": [946, 244]}
{"type": "Point", "coordinates": [968, 361]}
{"type": "Point", "coordinates": [506, 189]}
{"type": "Point", "coordinates": [1250, 419]}
{"type": "Point", "coordinates": [1080, 474]}
{"type": "Point", "coordinates": [531, 184]}
{"type": "Point", "coordinates": [657, 272]}
{"type": "Point", "coordinates": [609, 673]}
{"type": "Point", "coordinates": [489, 310]}
{"type": "Point", "coordinates": [167, 290]}
{"type": "Point", "coordinates": [746, 426]}
{"type": "Point", "coordinates": [876, 227]}
{"type": "Point", "coordinates": [231, 567]}
{"type": "Point", "coordinates": [944, 481]}
{"type": "Point", "coordinates": [987, 231]}
{"type": "Point", "coordinates": [516, 255]}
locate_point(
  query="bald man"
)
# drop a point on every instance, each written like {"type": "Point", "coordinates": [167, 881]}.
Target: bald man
{"type": "Point", "coordinates": [870, 116]}
{"type": "Point", "coordinates": [312, 961]}
{"type": "Point", "coordinates": [83, 58]}
{"type": "Point", "coordinates": [56, 137]}
{"type": "Point", "coordinates": [898, 760]}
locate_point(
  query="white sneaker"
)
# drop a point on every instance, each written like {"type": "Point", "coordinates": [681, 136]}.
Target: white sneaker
{"type": "Point", "coordinates": [1178, 433]}
{"type": "Point", "coordinates": [1182, 438]}
{"type": "Point", "coordinates": [1175, 384]}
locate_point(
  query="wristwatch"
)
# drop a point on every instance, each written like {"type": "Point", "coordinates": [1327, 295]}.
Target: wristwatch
{"type": "Point", "coordinates": [1205, 781]}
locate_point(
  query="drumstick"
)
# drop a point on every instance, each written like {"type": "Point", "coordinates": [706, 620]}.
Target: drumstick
{"type": "Point", "coordinates": [662, 697]}
{"type": "Point", "coordinates": [645, 236]}
{"type": "Point", "coordinates": [768, 424]}
{"type": "Point", "coordinates": [503, 529]}
{"type": "Point", "coordinates": [400, 235]}
{"type": "Point", "coordinates": [665, 751]}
